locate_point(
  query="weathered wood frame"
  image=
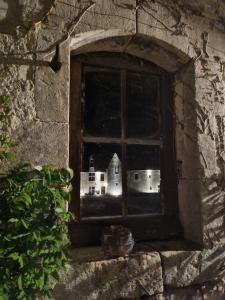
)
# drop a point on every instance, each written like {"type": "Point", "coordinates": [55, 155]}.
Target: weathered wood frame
{"type": "Point", "coordinates": [144, 227]}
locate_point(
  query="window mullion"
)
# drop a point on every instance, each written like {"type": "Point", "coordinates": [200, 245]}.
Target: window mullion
{"type": "Point", "coordinates": [123, 122]}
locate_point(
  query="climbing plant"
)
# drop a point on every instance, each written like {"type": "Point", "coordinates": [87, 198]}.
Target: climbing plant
{"type": "Point", "coordinates": [33, 230]}
{"type": "Point", "coordinates": [33, 223]}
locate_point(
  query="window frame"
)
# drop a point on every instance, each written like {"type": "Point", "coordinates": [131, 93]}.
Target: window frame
{"type": "Point", "coordinates": [144, 228]}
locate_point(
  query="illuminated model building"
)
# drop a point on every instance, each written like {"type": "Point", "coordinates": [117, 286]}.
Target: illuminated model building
{"type": "Point", "coordinates": [109, 182]}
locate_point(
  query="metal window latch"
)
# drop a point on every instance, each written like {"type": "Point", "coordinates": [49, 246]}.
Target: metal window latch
{"type": "Point", "coordinates": [179, 169]}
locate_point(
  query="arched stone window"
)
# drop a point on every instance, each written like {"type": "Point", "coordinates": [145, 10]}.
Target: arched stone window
{"type": "Point", "coordinates": [122, 125]}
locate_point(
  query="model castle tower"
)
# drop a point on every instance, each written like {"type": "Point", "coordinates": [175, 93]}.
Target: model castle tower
{"type": "Point", "coordinates": [114, 174]}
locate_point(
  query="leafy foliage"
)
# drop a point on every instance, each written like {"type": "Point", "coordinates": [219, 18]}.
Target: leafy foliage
{"type": "Point", "coordinates": [33, 230]}
{"type": "Point", "coordinates": [5, 141]}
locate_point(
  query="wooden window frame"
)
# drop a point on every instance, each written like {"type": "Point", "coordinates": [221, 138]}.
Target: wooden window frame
{"type": "Point", "coordinates": [144, 227]}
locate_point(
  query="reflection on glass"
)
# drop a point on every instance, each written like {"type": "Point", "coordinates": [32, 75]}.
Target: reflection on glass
{"type": "Point", "coordinates": [102, 109]}
{"type": "Point", "coordinates": [143, 179]}
{"type": "Point", "coordinates": [142, 105]}
{"type": "Point", "coordinates": [101, 180]}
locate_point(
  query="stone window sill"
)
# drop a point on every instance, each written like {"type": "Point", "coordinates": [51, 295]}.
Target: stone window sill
{"type": "Point", "coordinates": [150, 269]}
{"type": "Point", "coordinates": [91, 254]}
{"type": "Point", "coordinates": [153, 268]}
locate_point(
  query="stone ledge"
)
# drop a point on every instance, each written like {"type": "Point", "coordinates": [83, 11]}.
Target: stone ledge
{"type": "Point", "coordinates": [161, 270]}
{"type": "Point", "coordinates": [180, 268]}
{"type": "Point", "coordinates": [90, 254]}
{"type": "Point", "coordinates": [125, 277]}
{"type": "Point", "coordinates": [187, 268]}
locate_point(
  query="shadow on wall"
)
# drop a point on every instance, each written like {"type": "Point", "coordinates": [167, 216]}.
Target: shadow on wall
{"type": "Point", "coordinates": [195, 267]}
{"type": "Point", "coordinates": [214, 218]}
{"type": "Point", "coordinates": [14, 13]}
{"type": "Point", "coordinates": [112, 279]}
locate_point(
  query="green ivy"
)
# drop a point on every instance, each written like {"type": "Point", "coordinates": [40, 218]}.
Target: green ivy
{"type": "Point", "coordinates": [33, 230]}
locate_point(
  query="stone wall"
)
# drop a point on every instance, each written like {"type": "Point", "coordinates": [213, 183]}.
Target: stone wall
{"type": "Point", "coordinates": [148, 273]}
{"type": "Point", "coordinates": [186, 40]}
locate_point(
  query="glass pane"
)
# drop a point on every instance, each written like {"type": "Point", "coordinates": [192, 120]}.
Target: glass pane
{"type": "Point", "coordinates": [102, 108]}
{"type": "Point", "coordinates": [142, 106]}
{"type": "Point", "coordinates": [143, 179]}
{"type": "Point", "coordinates": [101, 180]}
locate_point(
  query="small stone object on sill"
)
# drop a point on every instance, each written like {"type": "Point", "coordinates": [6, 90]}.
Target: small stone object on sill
{"type": "Point", "coordinates": [117, 241]}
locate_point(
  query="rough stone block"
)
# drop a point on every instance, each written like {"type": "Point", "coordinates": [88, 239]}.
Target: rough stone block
{"type": "Point", "coordinates": [86, 254]}
{"type": "Point", "coordinates": [150, 49]}
{"type": "Point", "coordinates": [213, 216]}
{"type": "Point", "coordinates": [24, 14]}
{"type": "Point", "coordinates": [132, 276]}
{"type": "Point", "coordinates": [183, 294]}
{"type": "Point", "coordinates": [212, 265]}
{"type": "Point", "coordinates": [213, 212]}
{"type": "Point", "coordinates": [156, 21]}
{"type": "Point", "coordinates": [107, 14]}
{"type": "Point", "coordinates": [190, 209]}
{"type": "Point", "coordinates": [180, 268]}
{"type": "Point", "coordinates": [95, 41]}
{"type": "Point", "coordinates": [52, 90]}
{"type": "Point", "coordinates": [154, 297]}
{"type": "Point", "coordinates": [43, 143]}
{"type": "Point", "coordinates": [214, 295]}
{"type": "Point", "coordinates": [17, 82]}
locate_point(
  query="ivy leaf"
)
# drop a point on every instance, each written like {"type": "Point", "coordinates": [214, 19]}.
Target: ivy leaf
{"type": "Point", "coordinates": [14, 256]}
{"type": "Point", "coordinates": [19, 282]}
{"type": "Point", "coordinates": [41, 281]}
{"type": "Point", "coordinates": [59, 210]}
{"type": "Point", "coordinates": [55, 276]}
{"type": "Point", "coordinates": [3, 297]}
{"type": "Point", "coordinates": [20, 259]}
{"type": "Point", "coordinates": [38, 168]}
{"type": "Point", "coordinates": [70, 172]}
{"type": "Point", "coordinates": [26, 198]}
{"type": "Point", "coordinates": [25, 224]}
{"type": "Point", "coordinates": [13, 220]}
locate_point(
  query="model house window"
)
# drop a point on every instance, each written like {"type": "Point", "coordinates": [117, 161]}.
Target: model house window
{"type": "Point", "coordinates": [103, 190]}
{"type": "Point", "coordinates": [116, 170]}
{"type": "Point", "coordinates": [91, 176]}
{"type": "Point", "coordinates": [136, 176]}
{"type": "Point", "coordinates": [92, 190]}
{"type": "Point", "coordinates": [122, 133]}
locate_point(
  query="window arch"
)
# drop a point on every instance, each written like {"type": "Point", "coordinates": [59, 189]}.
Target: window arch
{"type": "Point", "coordinates": [121, 118]}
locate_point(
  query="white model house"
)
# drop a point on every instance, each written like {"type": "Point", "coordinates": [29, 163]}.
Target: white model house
{"type": "Point", "coordinates": [109, 182]}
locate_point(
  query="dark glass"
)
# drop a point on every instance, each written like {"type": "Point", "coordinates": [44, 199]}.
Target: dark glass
{"type": "Point", "coordinates": [101, 180]}
{"type": "Point", "coordinates": [102, 107]}
{"type": "Point", "coordinates": [142, 106]}
{"type": "Point", "coordinates": [143, 179]}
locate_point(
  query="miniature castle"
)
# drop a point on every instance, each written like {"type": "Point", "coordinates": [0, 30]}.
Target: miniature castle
{"type": "Point", "coordinates": [109, 182]}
